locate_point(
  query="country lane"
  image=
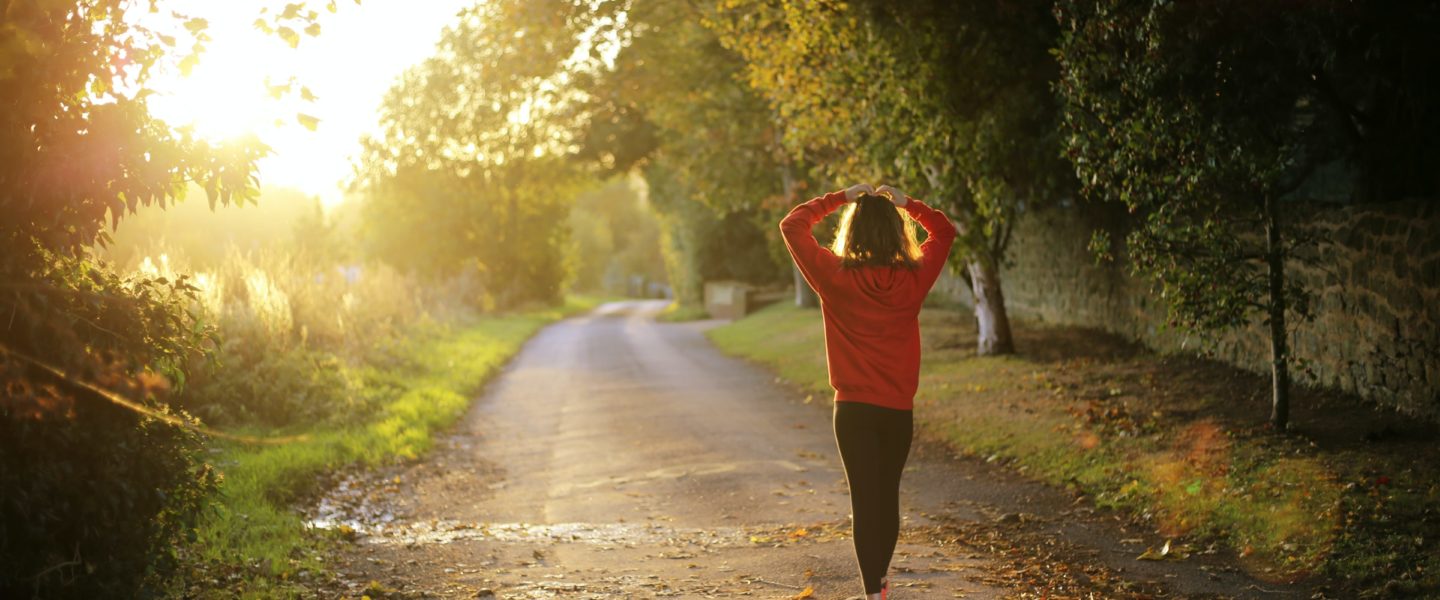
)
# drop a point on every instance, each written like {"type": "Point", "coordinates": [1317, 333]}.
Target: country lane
{"type": "Point", "coordinates": [621, 457]}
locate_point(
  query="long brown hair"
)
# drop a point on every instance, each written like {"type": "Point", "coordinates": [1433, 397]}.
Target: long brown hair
{"type": "Point", "coordinates": [873, 233]}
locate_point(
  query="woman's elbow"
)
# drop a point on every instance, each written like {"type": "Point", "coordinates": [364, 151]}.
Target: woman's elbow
{"type": "Point", "coordinates": [791, 225]}
{"type": "Point", "coordinates": [951, 228]}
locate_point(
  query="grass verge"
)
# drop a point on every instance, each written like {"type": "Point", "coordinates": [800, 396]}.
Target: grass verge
{"type": "Point", "coordinates": [677, 312]}
{"type": "Point", "coordinates": [1176, 442]}
{"type": "Point", "coordinates": [255, 544]}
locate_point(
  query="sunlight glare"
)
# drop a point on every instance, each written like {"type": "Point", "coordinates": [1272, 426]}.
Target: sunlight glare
{"type": "Point", "coordinates": [224, 98]}
{"type": "Point", "coordinates": [227, 94]}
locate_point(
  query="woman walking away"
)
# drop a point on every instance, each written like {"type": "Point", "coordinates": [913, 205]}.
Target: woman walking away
{"type": "Point", "coordinates": [871, 285]}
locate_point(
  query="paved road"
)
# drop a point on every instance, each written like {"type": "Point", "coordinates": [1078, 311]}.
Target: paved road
{"type": "Point", "coordinates": [618, 457]}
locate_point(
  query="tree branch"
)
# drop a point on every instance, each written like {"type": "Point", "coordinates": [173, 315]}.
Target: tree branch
{"type": "Point", "coordinates": [132, 405]}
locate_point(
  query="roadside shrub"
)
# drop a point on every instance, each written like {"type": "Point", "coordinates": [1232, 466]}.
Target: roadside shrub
{"type": "Point", "coordinates": [273, 387]}
{"type": "Point", "coordinates": [93, 503]}
{"type": "Point", "coordinates": [95, 495]}
{"type": "Point", "coordinates": [291, 325]}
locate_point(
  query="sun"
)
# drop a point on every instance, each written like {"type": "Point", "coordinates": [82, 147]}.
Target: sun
{"type": "Point", "coordinates": [223, 99]}
{"type": "Point", "coordinates": [247, 83]}
{"type": "Point", "coordinates": [226, 94]}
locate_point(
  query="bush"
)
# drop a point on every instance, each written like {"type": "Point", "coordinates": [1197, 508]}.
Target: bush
{"type": "Point", "coordinates": [289, 324]}
{"type": "Point", "coordinates": [95, 494]}
{"type": "Point", "coordinates": [275, 388]}
{"type": "Point", "coordinates": [93, 502]}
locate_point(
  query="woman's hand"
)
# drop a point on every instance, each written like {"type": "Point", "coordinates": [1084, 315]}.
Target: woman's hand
{"type": "Point", "coordinates": [897, 197]}
{"type": "Point", "coordinates": [854, 191]}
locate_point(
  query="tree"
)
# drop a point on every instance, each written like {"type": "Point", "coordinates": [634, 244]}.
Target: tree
{"type": "Point", "coordinates": [632, 85]}
{"type": "Point", "coordinates": [471, 171]}
{"type": "Point", "coordinates": [96, 492]}
{"type": "Point", "coordinates": [672, 105]}
{"type": "Point", "coordinates": [1207, 120]}
{"type": "Point", "coordinates": [701, 244]}
{"type": "Point", "coordinates": [617, 239]}
{"type": "Point", "coordinates": [950, 101]}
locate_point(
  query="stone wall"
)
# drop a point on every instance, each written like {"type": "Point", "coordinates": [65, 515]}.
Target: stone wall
{"type": "Point", "coordinates": [1376, 281]}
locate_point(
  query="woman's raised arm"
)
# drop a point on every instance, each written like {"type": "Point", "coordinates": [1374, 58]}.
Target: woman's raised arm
{"type": "Point", "coordinates": [809, 255]}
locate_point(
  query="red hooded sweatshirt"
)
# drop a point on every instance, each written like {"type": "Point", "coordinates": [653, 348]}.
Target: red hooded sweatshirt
{"type": "Point", "coordinates": [872, 327]}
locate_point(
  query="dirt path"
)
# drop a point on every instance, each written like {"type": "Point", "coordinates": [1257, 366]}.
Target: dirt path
{"type": "Point", "coordinates": [618, 457]}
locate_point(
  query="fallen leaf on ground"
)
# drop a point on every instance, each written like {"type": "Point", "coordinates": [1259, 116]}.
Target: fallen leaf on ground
{"type": "Point", "coordinates": [1166, 552]}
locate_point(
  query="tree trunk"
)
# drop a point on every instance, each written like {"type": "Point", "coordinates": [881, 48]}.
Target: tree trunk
{"type": "Point", "coordinates": [990, 314]}
{"type": "Point", "coordinates": [1279, 351]}
{"type": "Point", "coordinates": [804, 296]}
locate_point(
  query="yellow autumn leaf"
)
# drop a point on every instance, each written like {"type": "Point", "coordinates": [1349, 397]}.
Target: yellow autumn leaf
{"type": "Point", "coordinates": [289, 36]}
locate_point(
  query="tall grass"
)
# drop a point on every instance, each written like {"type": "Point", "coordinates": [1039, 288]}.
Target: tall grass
{"type": "Point", "coordinates": [288, 326]}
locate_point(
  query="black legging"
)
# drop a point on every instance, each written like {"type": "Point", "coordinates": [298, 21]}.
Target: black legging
{"type": "Point", "coordinates": [874, 442]}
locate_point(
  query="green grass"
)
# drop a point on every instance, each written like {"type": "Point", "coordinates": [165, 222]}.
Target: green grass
{"type": "Point", "coordinates": [677, 312]}
{"type": "Point", "coordinates": [1132, 434]}
{"type": "Point", "coordinates": [256, 538]}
